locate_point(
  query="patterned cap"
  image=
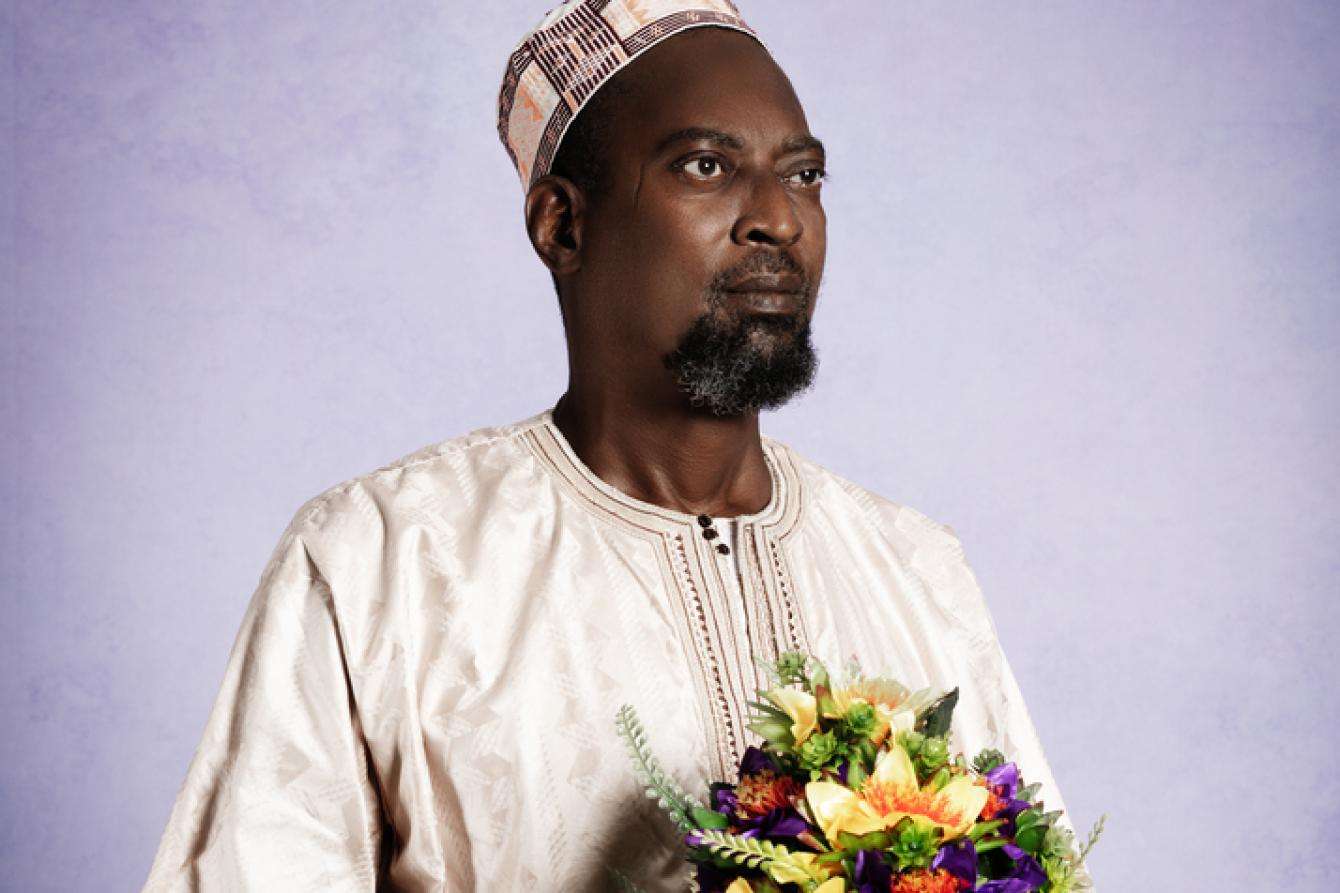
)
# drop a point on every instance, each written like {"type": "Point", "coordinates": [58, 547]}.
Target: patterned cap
{"type": "Point", "coordinates": [578, 46]}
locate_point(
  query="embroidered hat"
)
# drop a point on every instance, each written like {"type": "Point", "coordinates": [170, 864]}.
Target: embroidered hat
{"type": "Point", "coordinates": [577, 47]}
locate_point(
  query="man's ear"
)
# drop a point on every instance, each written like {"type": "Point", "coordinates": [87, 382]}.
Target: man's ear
{"type": "Point", "coordinates": [555, 213]}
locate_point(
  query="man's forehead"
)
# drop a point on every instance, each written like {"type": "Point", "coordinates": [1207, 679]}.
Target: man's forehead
{"type": "Point", "coordinates": [708, 77]}
{"type": "Point", "coordinates": [794, 143]}
{"type": "Point", "coordinates": [576, 48]}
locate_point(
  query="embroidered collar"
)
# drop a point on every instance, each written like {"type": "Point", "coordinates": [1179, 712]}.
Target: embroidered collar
{"type": "Point", "coordinates": [782, 507]}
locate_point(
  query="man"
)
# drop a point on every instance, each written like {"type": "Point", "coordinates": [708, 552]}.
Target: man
{"type": "Point", "coordinates": [423, 691]}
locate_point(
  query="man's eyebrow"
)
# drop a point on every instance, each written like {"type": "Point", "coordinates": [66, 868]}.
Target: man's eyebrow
{"type": "Point", "coordinates": [700, 134]}
{"type": "Point", "coordinates": [804, 142]}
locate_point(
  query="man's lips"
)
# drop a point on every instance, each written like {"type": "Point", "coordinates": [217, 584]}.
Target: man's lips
{"type": "Point", "coordinates": [776, 282]}
{"type": "Point", "coordinates": [769, 295]}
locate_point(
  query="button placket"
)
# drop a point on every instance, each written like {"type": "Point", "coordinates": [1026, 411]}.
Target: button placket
{"type": "Point", "coordinates": [709, 531]}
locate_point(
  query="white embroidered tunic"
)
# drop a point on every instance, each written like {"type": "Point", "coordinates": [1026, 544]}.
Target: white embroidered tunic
{"type": "Point", "coordinates": [423, 691]}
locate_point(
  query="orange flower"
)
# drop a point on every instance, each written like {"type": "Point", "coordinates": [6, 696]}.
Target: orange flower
{"type": "Point", "coordinates": [923, 881]}
{"type": "Point", "coordinates": [762, 792]}
{"type": "Point", "coordinates": [994, 805]}
{"type": "Point", "coordinates": [890, 798]}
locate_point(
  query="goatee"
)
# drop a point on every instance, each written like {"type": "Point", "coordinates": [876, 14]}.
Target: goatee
{"type": "Point", "coordinates": [730, 363]}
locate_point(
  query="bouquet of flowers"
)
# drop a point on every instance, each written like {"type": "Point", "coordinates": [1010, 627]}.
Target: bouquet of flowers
{"type": "Point", "coordinates": [855, 789]}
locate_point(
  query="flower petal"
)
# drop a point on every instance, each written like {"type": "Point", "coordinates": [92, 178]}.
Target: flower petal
{"type": "Point", "coordinates": [801, 707]}
{"type": "Point", "coordinates": [966, 798]}
{"type": "Point", "coordinates": [894, 766]}
{"type": "Point", "coordinates": [837, 808]}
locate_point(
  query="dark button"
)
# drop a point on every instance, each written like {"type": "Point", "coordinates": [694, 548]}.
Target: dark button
{"type": "Point", "coordinates": [723, 548]}
{"type": "Point", "coordinates": [710, 534]}
{"type": "Point", "coordinates": [704, 521]}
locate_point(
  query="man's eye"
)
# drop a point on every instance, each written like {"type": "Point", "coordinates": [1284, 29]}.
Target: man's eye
{"type": "Point", "coordinates": [811, 176]}
{"type": "Point", "coordinates": [704, 167]}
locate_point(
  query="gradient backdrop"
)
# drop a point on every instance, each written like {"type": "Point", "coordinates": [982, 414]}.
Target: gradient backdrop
{"type": "Point", "coordinates": [1082, 304]}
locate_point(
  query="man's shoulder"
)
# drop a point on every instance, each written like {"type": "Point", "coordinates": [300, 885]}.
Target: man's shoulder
{"type": "Point", "coordinates": [928, 547]}
{"type": "Point", "coordinates": [432, 478]}
{"type": "Point", "coordinates": [832, 492]}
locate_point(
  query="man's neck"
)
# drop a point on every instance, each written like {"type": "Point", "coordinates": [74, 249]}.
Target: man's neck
{"type": "Point", "coordinates": [673, 457]}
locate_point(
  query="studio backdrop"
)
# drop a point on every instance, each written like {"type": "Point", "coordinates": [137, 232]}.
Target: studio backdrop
{"type": "Point", "coordinates": [1081, 304]}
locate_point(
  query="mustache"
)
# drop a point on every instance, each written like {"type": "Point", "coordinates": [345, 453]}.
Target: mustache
{"type": "Point", "coordinates": [762, 263]}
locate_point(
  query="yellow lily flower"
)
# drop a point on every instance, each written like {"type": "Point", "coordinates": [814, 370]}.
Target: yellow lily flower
{"type": "Point", "coordinates": [801, 707]}
{"type": "Point", "coordinates": [895, 706]}
{"type": "Point", "coordinates": [739, 885]}
{"type": "Point", "coordinates": [887, 692]}
{"type": "Point", "coordinates": [838, 808]}
{"type": "Point", "coordinates": [895, 767]}
{"type": "Point", "coordinates": [892, 792]}
{"type": "Point", "coordinates": [891, 722]}
{"type": "Point", "coordinates": [832, 885]}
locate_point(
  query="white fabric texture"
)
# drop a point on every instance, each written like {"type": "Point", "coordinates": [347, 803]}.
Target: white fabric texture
{"type": "Point", "coordinates": [423, 691]}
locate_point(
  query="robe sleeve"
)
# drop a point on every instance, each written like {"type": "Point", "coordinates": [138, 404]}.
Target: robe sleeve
{"type": "Point", "coordinates": [279, 794]}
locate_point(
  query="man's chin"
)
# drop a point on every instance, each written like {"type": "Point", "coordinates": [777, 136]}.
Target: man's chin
{"type": "Point", "coordinates": [762, 364]}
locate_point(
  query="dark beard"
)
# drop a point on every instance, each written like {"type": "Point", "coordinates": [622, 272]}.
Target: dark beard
{"type": "Point", "coordinates": [722, 368]}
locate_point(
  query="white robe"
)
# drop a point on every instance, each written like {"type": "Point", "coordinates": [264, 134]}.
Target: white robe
{"type": "Point", "coordinates": [423, 691]}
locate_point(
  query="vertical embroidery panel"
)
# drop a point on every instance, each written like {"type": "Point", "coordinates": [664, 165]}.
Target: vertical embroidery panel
{"type": "Point", "coordinates": [722, 641]}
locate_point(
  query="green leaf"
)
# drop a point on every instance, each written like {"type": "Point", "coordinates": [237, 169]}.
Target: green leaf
{"type": "Point", "coordinates": [1027, 818]}
{"type": "Point", "coordinates": [875, 840]}
{"type": "Point", "coordinates": [825, 704]}
{"type": "Point", "coordinates": [1030, 838]}
{"type": "Point", "coordinates": [708, 818]}
{"type": "Point", "coordinates": [989, 844]}
{"type": "Point", "coordinates": [775, 731]}
{"type": "Point", "coordinates": [981, 829]}
{"type": "Point", "coordinates": [989, 758]}
{"type": "Point", "coordinates": [788, 668]}
{"type": "Point", "coordinates": [767, 708]}
{"type": "Point", "coordinates": [937, 717]}
{"type": "Point", "coordinates": [856, 775]}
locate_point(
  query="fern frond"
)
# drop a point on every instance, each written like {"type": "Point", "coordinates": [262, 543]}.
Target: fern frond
{"type": "Point", "coordinates": [783, 865]}
{"type": "Point", "coordinates": [660, 786]}
{"type": "Point", "coordinates": [1096, 833]}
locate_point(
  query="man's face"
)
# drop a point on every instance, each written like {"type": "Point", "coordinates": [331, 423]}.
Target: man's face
{"type": "Point", "coordinates": [701, 264]}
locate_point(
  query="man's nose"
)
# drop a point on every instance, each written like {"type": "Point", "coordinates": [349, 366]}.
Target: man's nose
{"type": "Point", "coordinates": [769, 217]}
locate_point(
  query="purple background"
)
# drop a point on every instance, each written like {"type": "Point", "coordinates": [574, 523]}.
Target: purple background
{"type": "Point", "coordinates": [1081, 304]}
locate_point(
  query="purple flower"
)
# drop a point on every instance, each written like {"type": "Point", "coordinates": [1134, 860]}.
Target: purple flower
{"type": "Point", "coordinates": [1014, 807]}
{"type": "Point", "coordinates": [1005, 776]}
{"type": "Point", "coordinates": [1004, 781]}
{"type": "Point", "coordinates": [959, 859]}
{"type": "Point", "coordinates": [755, 761]}
{"type": "Point", "coordinates": [873, 874]}
{"type": "Point", "coordinates": [724, 799]}
{"type": "Point", "coordinates": [1008, 885]}
{"type": "Point", "coordinates": [1026, 875]}
{"type": "Point", "coordinates": [778, 825]}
